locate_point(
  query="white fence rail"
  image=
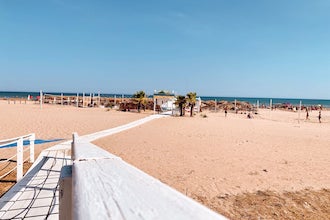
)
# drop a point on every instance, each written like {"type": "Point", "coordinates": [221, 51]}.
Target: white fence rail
{"type": "Point", "coordinates": [19, 155]}
{"type": "Point", "coordinates": [106, 187]}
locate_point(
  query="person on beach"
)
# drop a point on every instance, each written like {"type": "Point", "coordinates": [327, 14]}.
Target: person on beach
{"type": "Point", "coordinates": [307, 114]}
{"type": "Point", "coordinates": [225, 112]}
{"type": "Point", "coordinates": [320, 116]}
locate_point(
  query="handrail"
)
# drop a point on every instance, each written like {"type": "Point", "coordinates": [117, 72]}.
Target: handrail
{"type": "Point", "coordinates": [106, 187]}
{"type": "Point", "coordinates": [4, 142]}
{"type": "Point", "coordinates": [20, 159]}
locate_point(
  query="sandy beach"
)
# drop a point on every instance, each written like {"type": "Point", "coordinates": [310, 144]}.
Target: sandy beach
{"type": "Point", "coordinates": [271, 166]}
{"type": "Point", "coordinates": [52, 122]}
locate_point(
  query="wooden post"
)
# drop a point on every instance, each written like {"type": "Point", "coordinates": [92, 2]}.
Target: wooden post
{"type": "Point", "coordinates": [77, 103]}
{"type": "Point", "coordinates": [40, 99]}
{"type": "Point", "coordinates": [257, 105]}
{"type": "Point", "coordinates": [19, 156]}
{"type": "Point", "coordinates": [65, 196]}
{"type": "Point", "coordinates": [199, 105]}
{"type": "Point", "coordinates": [74, 140]}
{"type": "Point", "coordinates": [99, 102]}
{"type": "Point", "coordinates": [32, 139]}
{"type": "Point", "coordinates": [235, 106]}
{"type": "Point", "coordinates": [299, 113]}
{"type": "Point", "coordinates": [115, 99]}
{"type": "Point", "coordinates": [270, 108]}
{"type": "Point", "coordinates": [154, 105]}
{"type": "Point", "coordinates": [83, 100]}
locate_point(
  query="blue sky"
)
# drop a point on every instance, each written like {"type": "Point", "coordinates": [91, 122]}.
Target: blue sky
{"type": "Point", "coordinates": [255, 48]}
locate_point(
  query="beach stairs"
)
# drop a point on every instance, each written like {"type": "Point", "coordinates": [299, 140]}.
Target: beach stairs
{"type": "Point", "coordinates": [78, 180]}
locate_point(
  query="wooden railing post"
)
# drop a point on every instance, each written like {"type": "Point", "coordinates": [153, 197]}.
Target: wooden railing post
{"type": "Point", "coordinates": [83, 101]}
{"type": "Point", "coordinates": [40, 99]}
{"type": "Point", "coordinates": [74, 139]}
{"type": "Point", "coordinates": [65, 197]}
{"type": "Point", "coordinates": [32, 139]}
{"type": "Point", "coordinates": [19, 174]}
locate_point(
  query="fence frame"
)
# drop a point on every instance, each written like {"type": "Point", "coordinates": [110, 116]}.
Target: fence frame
{"type": "Point", "coordinates": [19, 153]}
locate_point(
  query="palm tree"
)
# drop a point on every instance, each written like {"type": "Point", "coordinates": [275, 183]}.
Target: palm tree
{"type": "Point", "coordinates": [139, 97]}
{"type": "Point", "coordinates": [191, 99]}
{"type": "Point", "coordinates": [181, 102]}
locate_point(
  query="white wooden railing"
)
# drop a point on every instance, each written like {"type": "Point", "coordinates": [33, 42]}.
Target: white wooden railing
{"type": "Point", "coordinates": [106, 187]}
{"type": "Point", "coordinates": [19, 155]}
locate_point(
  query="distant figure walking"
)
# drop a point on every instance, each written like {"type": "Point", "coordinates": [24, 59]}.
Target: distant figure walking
{"type": "Point", "coordinates": [307, 114]}
{"type": "Point", "coordinates": [320, 116]}
{"type": "Point", "coordinates": [225, 112]}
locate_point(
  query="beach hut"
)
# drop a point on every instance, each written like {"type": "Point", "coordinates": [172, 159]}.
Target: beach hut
{"type": "Point", "coordinates": [164, 100]}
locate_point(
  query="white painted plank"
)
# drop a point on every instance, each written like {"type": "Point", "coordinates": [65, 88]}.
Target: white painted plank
{"type": "Point", "coordinates": [97, 135]}
{"type": "Point", "coordinates": [113, 189]}
{"type": "Point", "coordinates": [88, 151]}
{"type": "Point", "coordinates": [39, 211]}
{"type": "Point", "coordinates": [11, 214]}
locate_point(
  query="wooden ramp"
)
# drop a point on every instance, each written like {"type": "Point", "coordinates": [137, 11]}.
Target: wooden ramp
{"type": "Point", "coordinates": [36, 195]}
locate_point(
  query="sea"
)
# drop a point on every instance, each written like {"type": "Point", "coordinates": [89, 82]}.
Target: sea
{"type": "Point", "coordinates": [252, 100]}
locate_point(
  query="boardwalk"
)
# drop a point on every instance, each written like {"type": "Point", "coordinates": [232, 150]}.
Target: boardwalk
{"type": "Point", "coordinates": [36, 196]}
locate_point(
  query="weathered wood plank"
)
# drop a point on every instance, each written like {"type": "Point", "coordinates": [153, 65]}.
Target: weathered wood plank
{"type": "Point", "coordinates": [113, 189]}
{"type": "Point", "coordinates": [88, 151]}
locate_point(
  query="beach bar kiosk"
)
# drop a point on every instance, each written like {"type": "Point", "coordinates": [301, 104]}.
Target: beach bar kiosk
{"type": "Point", "coordinates": [164, 100]}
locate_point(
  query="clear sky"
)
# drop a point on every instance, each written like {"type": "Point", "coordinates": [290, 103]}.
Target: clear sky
{"type": "Point", "coordinates": [249, 48]}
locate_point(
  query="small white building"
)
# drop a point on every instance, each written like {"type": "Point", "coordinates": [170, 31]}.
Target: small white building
{"type": "Point", "coordinates": [168, 105]}
{"type": "Point", "coordinates": [164, 100]}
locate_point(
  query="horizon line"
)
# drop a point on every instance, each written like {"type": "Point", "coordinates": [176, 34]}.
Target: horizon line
{"type": "Point", "coordinates": [223, 96]}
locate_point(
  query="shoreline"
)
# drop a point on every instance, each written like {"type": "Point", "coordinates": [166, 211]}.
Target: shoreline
{"type": "Point", "coordinates": [308, 102]}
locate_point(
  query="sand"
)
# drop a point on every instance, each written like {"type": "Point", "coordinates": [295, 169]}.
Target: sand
{"type": "Point", "coordinates": [268, 167]}
{"type": "Point", "coordinates": [220, 160]}
{"type": "Point", "coordinates": [56, 121]}
{"type": "Point", "coordinates": [52, 122]}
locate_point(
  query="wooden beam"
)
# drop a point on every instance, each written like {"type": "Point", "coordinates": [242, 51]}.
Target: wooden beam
{"type": "Point", "coordinates": [106, 187]}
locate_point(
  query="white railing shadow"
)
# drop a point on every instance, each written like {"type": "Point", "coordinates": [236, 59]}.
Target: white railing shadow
{"type": "Point", "coordinates": [19, 154]}
{"type": "Point", "coordinates": [100, 185]}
